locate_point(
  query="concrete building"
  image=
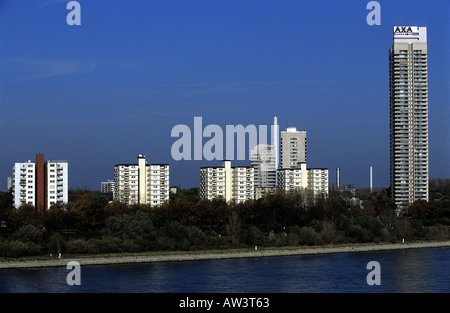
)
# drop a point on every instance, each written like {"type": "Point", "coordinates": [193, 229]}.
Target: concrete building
{"type": "Point", "coordinates": [243, 184]}
{"type": "Point", "coordinates": [292, 147]}
{"type": "Point", "coordinates": [57, 174]}
{"type": "Point", "coordinates": [24, 183]}
{"type": "Point", "coordinates": [226, 182]}
{"type": "Point", "coordinates": [107, 186]}
{"type": "Point", "coordinates": [40, 183]}
{"type": "Point", "coordinates": [318, 181]}
{"type": "Point", "coordinates": [293, 180]}
{"type": "Point", "coordinates": [263, 161]}
{"type": "Point", "coordinates": [141, 183]}
{"type": "Point", "coordinates": [408, 72]}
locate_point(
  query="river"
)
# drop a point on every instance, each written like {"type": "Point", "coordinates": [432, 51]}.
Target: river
{"type": "Point", "coordinates": [420, 270]}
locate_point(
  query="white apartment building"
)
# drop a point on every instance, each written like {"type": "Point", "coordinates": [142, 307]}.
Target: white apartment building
{"type": "Point", "coordinates": [57, 182]}
{"type": "Point", "coordinates": [292, 147]}
{"type": "Point", "coordinates": [40, 183]}
{"type": "Point", "coordinates": [318, 181]}
{"type": "Point", "coordinates": [226, 182]}
{"type": "Point", "coordinates": [141, 183]}
{"type": "Point", "coordinates": [292, 180]}
{"type": "Point", "coordinates": [107, 186]}
{"type": "Point", "coordinates": [408, 72]}
{"type": "Point", "coordinates": [23, 183]}
{"type": "Point", "coordinates": [243, 184]}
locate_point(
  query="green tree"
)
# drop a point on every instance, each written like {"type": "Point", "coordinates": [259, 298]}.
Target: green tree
{"type": "Point", "coordinates": [27, 233]}
{"type": "Point", "coordinates": [89, 211]}
{"type": "Point", "coordinates": [132, 226]}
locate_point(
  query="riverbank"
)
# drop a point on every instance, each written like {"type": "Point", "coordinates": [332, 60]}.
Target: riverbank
{"type": "Point", "coordinates": [211, 255]}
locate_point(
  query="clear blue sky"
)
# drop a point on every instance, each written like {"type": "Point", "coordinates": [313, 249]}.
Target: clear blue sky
{"type": "Point", "coordinates": [100, 93]}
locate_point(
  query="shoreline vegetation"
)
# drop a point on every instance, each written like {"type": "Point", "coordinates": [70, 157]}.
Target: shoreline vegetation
{"type": "Point", "coordinates": [91, 225]}
{"type": "Point", "coordinates": [178, 256]}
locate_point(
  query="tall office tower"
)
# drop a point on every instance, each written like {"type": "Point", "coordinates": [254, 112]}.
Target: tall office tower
{"type": "Point", "coordinates": [226, 182]}
{"type": "Point", "coordinates": [40, 183]}
{"type": "Point", "coordinates": [292, 147]}
{"type": "Point", "coordinates": [408, 73]}
{"type": "Point", "coordinates": [141, 183]}
{"type": "Point", "coordinates": [263, 161]}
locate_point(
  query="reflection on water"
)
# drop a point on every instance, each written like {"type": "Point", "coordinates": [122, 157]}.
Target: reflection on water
{"type": "Point", "coordinates": [411, 270]}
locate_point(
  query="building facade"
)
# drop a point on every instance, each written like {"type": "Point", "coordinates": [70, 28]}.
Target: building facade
{"type": "Point", "coordinates": [141, 183]}
{"type": "Point", "coordinates": [226, 182]}
{"type": "Point", "coordinates": [408, 72]}
{"type": "Point", "coordinates": [292, 147]}
{"type": "Point", "coordinates": [292, 180]}
{"type": "Point", "coordinates": [57, 174]}
{"type": "Point", "coordinates": [318, 181]}
{"type": "Point", "coordinates": [24, 183]}
{"type": "Point", "coordinates": [40, 183]}
{"type": "Point", "coordinates": [107, 186]}
{"type": "Point", "coordinates": [263, 161]}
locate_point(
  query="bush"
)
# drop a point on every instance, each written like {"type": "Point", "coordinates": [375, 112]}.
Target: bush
{"type": "Point", "coordinates": [76, 246]}
{"type": "Point", "coordinates": [308, 236]}
{"type": "Point", "coordinates": [328, 233]}
{"type": "Point", "coordinates": [359, 234]}
{"type": "Point", "coordinates": [27, 233]}
{"type": "Point", "coordinates": [254, 236]}
{"type": "Point", "coordinates": [196, 236]}
{"type": "Point", "coordinates": [16, 248]}
{"type": "Point", "coordinates": [436, 233]}
{"type": "Point", "coordinates": [277, 240]}
{"type": "Point", "coordinates": [293, 239]}
{"type": "Point", "coordinates": [134, 226]}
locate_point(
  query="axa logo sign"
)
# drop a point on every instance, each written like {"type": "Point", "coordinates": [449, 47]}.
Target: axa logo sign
{"type": "Point", "coordinates": [403, 29]}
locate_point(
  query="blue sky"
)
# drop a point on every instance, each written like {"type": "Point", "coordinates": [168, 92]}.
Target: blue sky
{"type": "Point", "coordinates": [100, 93]}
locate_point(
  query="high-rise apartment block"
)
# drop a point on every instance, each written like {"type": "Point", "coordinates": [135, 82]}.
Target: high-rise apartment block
{"type": "Point", "coordinates": [141, 183]}
{"type": "Point", "coordinates": [292, 147]}
{"type": "Point", "coordinates": [226, 182]}
{"type": "Point", "coordinates": [40, 183]}
{"type": "Point", "coordinates": [107, 186]}
{"type": "Point", "coordinates": [293, 174]}
{"type": "Point", "coordinates": [292, 180]}
{"type": "Point", "coordinates": [408, 73]}
{"type": "Point", "coordinates": [318, 181]}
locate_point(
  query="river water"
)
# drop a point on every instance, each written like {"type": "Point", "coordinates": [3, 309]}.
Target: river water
{"type": "Point", "coordinates": [410, 270]}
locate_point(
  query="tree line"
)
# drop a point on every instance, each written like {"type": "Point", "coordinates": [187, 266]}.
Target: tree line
{"type": "Point", "coordinates": [91, 223]}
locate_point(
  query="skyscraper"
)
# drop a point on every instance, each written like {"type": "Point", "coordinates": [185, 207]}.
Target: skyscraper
{"type": "Point", "coordinates": [408, 73]}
